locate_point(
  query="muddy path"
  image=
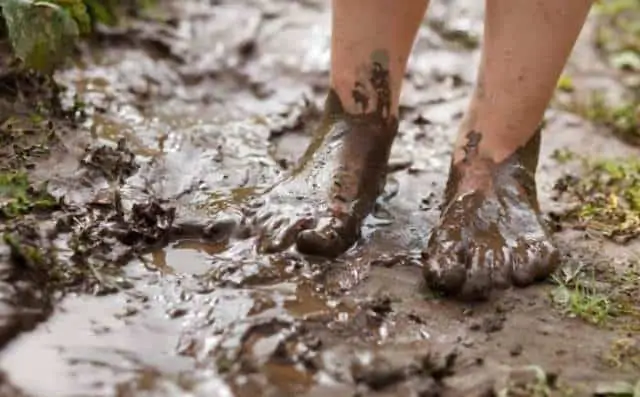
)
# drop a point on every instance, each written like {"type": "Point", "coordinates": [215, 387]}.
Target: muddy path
{"type": "Point", "coordinates": [154, 289]}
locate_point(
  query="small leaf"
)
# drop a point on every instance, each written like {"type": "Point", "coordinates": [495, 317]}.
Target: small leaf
{"type": "Point", "coordinates": [42, 34]}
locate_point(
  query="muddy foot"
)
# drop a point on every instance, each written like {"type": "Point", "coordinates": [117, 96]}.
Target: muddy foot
{"type": "Point", "coordinates": [320, 206]}
{"type": "Point", "coordinates": [490, 234]}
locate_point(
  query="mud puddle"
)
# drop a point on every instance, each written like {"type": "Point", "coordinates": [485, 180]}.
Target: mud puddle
{"type": "Point", "coordinates": [168, 325]}
{"type": "Point", "coordinates": [213, 107]}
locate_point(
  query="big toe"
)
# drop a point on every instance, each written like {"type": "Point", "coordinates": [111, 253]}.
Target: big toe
{"type": "Point", "coordinates": [329, 239]}
{"type": "Point", "coordinates": [444, 269]}
{"type": "Point", "coordinates": [280, 233]}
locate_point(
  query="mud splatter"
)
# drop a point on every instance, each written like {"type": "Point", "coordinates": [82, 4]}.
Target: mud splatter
{"type": "Point", "coordinates": [471, 147]}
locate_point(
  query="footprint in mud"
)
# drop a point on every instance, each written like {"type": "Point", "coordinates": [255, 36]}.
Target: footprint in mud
{"type": "Point", "coordinates": [491, 234]}
{"type": "Point", "coordinates": [322, 203]}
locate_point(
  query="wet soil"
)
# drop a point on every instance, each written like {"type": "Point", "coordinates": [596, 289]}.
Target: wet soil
{"type": "Point", "coordinates": [143, 280]}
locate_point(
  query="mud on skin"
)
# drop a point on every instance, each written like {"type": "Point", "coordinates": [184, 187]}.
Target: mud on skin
{"type": "Point", "coordinates": [321, 204]}
{"type": "Point", "coordinates": [491, 234]}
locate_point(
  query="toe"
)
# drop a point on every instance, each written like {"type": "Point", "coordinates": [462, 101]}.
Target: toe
{"type": "Point", "coordinates": [522, 274]}
{"type": "Point", "coordinates": [265, 229]}
{"type": "Point", "coordinates": [478, 282]}
{"type": "Point", "coordinates": [444, 269]}
{"type": "Point", "coordinates": [500, 264]}
{"type": "Point", "coordinates": [269, 228]}
{"type": "Point", "coordinates": [329, 239]}
{"type": "Point", "coordinates": [286, 235]}
{"type": "Point", "coordinates": [547, 260]}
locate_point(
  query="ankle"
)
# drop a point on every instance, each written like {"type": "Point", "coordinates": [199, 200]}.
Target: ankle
{"type": "Point", "coordinates": [362, 98]}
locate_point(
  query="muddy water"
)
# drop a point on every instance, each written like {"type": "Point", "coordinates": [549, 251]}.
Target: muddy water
{"type": "Point", "coordinates": [216, 105]}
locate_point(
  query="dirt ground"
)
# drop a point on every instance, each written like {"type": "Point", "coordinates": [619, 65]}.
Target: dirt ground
{"type": "Point", "coordinates": [141, 281]}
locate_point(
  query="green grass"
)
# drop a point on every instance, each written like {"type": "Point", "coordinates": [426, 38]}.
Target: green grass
{"type": "Point", "coordinates": [605, 297]}
{"type": "Point", "coordinates": [577, 299]}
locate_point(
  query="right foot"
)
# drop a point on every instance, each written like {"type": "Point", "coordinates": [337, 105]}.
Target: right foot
{"type": "Point", "coordinates": [322, 203]}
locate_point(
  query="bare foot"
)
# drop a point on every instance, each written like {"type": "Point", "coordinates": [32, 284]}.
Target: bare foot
{"type": "Point", "coordinates": [490, 234]}
{"type": "Point", "coordinates": [320, 206]}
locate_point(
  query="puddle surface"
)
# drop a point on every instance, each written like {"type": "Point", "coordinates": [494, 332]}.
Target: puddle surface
{"type": "Point", "coordinates": [219, 114]}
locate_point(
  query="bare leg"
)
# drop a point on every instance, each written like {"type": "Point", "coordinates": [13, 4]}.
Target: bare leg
{"type": "Point", "coordinates": [320, 206]}
{"type": "Point", "coordinates": [490, 233]}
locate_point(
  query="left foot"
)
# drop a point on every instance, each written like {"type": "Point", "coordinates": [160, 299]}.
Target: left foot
{"type": "Point", "coordinates": [491, 234]}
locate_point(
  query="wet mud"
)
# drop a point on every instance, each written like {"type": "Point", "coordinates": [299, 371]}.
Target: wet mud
{"type": "Point", "coordinates": [143, 277]}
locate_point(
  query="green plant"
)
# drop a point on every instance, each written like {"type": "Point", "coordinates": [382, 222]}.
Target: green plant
{"type": "Point", "coordinates": [18, 196]}
{"type": "Point", "coordinates": [43, 33]}
{"type": "Point", "coordinates": [583, 302]}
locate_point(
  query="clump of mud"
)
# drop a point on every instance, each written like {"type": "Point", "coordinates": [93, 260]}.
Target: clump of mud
{"type": "Point", "coordinates": [114, 164]}
{"type": "Point", "coordinates": [104, 232]}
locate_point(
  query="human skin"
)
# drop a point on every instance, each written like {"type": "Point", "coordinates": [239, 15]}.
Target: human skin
{"type": "Point", "coordinates": [490, 233]}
